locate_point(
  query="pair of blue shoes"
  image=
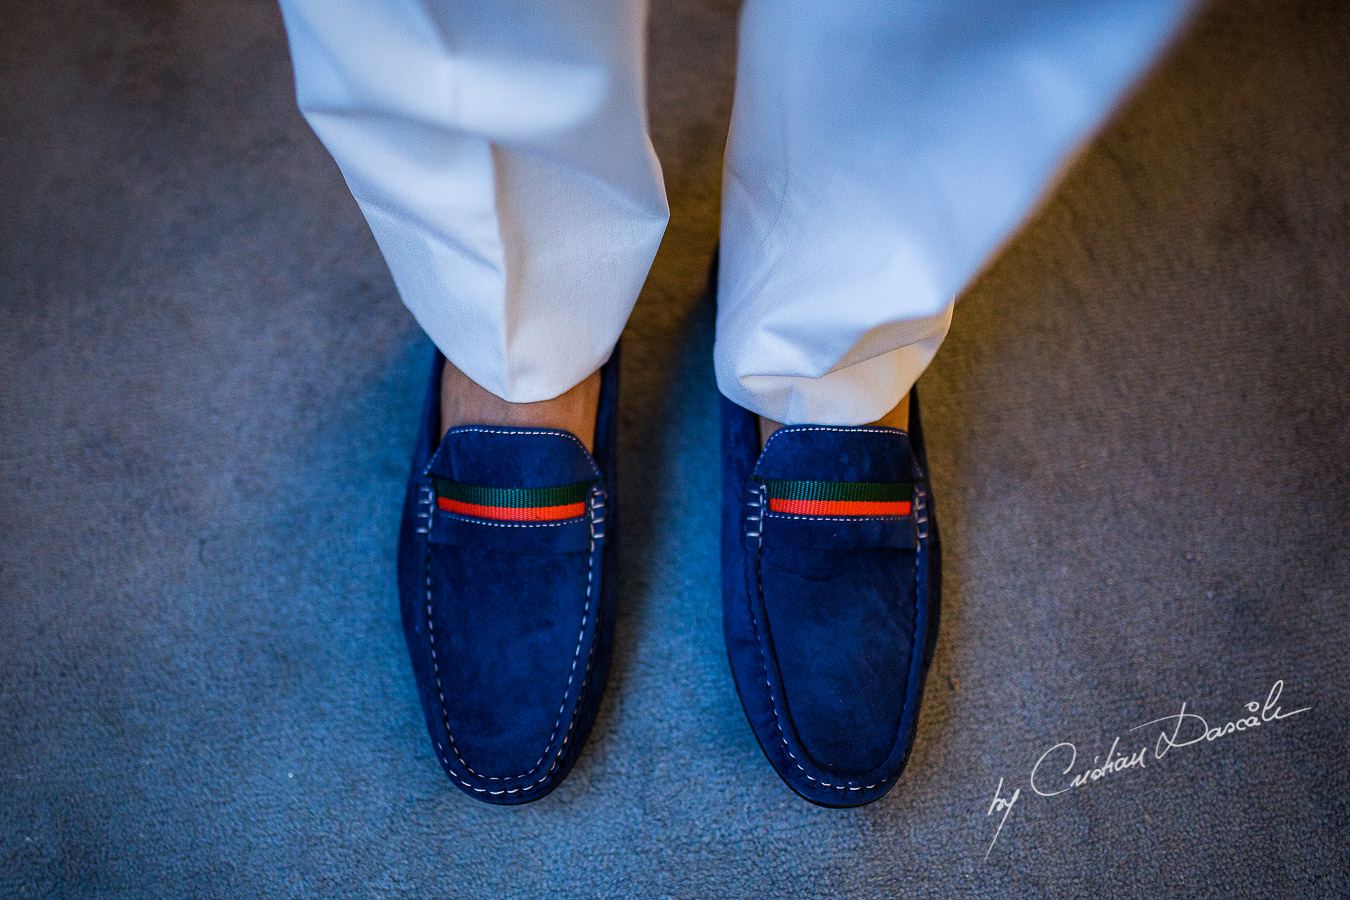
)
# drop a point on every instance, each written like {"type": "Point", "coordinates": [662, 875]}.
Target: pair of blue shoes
{"type": "Point", "coordinates": [507, 569]}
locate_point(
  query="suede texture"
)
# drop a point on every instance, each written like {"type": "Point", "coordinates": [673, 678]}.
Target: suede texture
{"type": "Point", "coordinates": [829, 621]}
{"type": "Point", "coordinates": [1137, 429]}
{"type": "Point", "coordinates": [509, 624]}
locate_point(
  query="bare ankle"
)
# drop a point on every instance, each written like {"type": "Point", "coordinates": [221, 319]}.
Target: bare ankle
{"type": "Point", "coordinates": [463, 402]}
{"type": "Point", "coordinates": [896, 418]}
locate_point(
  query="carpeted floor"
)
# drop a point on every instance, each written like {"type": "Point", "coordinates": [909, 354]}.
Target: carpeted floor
{"type": "Point", "coordinates": [208, 389]}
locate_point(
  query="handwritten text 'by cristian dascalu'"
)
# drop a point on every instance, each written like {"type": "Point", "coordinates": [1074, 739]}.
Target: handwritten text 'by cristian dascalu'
{"type": "Point", "coordinates": [1057, 770]}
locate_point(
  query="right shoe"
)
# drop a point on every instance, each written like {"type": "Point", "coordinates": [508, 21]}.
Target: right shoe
{"type": "Point", "coordinates": [830, 580]}
{"type": "Point", "coordinates": [506, 574]}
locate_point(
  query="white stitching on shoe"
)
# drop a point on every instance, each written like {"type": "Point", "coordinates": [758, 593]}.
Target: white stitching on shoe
{"type": "Point", "coordinates": [424, 503]}
{"type": "Point", "coordinates": [590, 659]}
{"type": "Point", "coordinates": [474, 520]}
{"type": "Point", "coordinates": [773, 702]}
{"type": "Point", "coordinates": [759, 641]}
{"type": "Point", "coordinates": [477, 429]}
{"type": "Point", "coordinates": [851, 429]}
{"type": "Point", "coordinates": [801, 518]}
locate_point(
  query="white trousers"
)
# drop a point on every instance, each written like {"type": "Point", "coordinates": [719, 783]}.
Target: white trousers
{"type": "Point", "coordinates": [879, 152]}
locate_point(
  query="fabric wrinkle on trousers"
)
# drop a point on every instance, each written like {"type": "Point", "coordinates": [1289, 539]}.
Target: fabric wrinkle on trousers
{"type": "Point", "coordinates": [499, 152]}
{"type": "Point", "coordinates": [879, 152]}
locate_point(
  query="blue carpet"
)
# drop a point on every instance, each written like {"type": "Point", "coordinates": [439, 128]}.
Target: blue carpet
{"type": "Point", "coordinates": [208, 391]}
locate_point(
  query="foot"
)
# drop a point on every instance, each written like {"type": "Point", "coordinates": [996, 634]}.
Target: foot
{"type": "Point", "coordinates": [463, 402]}
{"type": "Point", "coordinates": [896, 418]}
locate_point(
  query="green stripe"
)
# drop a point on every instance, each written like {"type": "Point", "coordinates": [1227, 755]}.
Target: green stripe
{"type": "Point", "coordinates": [839, 491]}
{"type": "Point", "coordinates": [512, 498]}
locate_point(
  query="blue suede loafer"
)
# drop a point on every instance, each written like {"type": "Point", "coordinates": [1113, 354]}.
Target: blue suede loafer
{"type": "Point", "coordinates": [506, 571]}
{"type": "Point", "coordinates": [830, 580]}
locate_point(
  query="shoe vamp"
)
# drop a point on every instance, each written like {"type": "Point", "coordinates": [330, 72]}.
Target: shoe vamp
{"type": "Point", "coordinates": [842, 629]}
{"type": "Point", "coordinates": [510, 632]}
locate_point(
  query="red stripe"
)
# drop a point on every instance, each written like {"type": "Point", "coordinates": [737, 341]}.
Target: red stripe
{"type": "Point", "coordinates": [512, 513]}
{"type": "Point", "coordinates": [840, 507]}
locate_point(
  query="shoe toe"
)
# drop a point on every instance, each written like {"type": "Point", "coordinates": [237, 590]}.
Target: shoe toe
{"type": "Point", "coordinates": [842, 642]}
{"type": "Point", "coordinates": [509, 639]}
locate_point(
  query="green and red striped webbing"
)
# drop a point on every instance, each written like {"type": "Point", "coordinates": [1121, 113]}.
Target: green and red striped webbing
{"type": "Point", "coordinates": [543, 504]}
{"type": "Point", "coordinates": [838, 498]}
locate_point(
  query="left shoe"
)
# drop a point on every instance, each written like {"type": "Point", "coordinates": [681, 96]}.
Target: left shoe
{"type": "Point", "coordinates": [830, 585]}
